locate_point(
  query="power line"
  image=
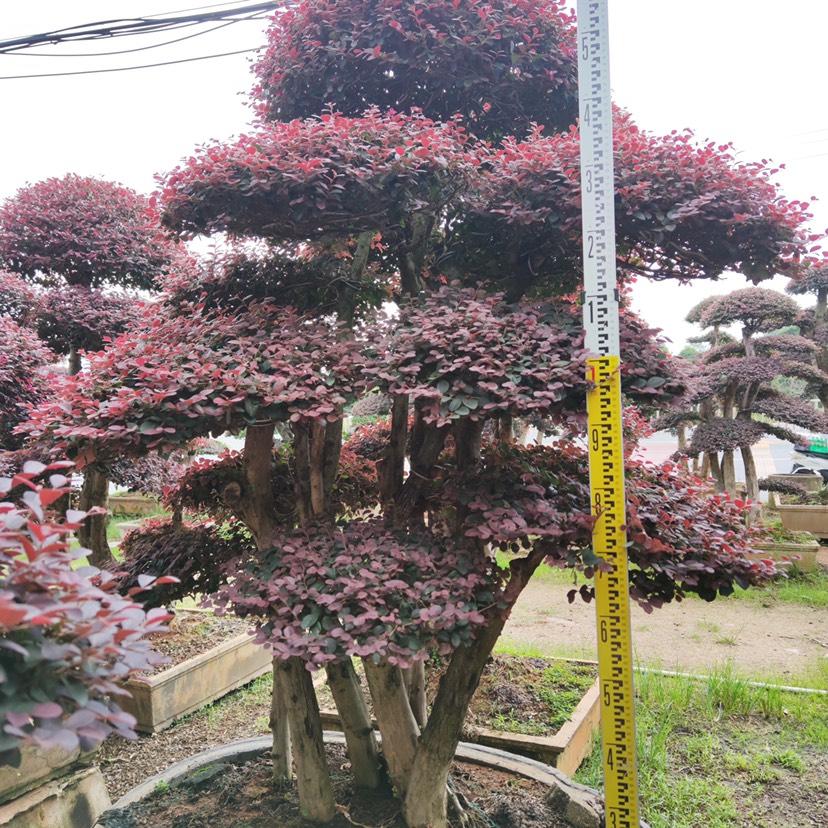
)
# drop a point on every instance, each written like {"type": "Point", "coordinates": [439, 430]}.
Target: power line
{"type": "Point", "coordinates": [195, 8]}
{"type": "Point", "coordinates": [126, 68]}
{"type": "Point", "coordinates": [129, 26]}
{"type": "Point", "coordinates": [131, 51]}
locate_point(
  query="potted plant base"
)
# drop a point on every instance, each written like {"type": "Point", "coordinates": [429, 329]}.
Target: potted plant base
{"type": "Point", "coordinates": [52, 789]}
{"type": "Point", "coordinates": [557, 800]}
{"type": "Point", "coordinates": [159, 699]}
{"type": "Point", "coordinates": [802, 555]}
{"type": "Point", "coordinates": [813, 519]}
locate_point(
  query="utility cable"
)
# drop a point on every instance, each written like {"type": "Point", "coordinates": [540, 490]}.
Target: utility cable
{"type": "Point", "coordinates": [127, 51]}
{"type": "Point", "coordinates": [127, 68]}
{"type": "Point", "coordinates": [128, 26]}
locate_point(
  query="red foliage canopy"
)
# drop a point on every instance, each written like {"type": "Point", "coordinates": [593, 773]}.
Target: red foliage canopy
{"type": "Point", "coordinates": [500, 64]}
{"type": "Point", "coordinates": [17, 299]}
{"type": "Point", "coordinates": [183, 377]}
{"type": "Point", "coordinates": [75, 316]}
{"type": "Point", "coordinates": [22, 356]}
{"type": "Point", "coordinates": [83, 231]}
{"type": "Point", "coordinates": [757, 310]}
{"type": "Point", "coordinates": [682, 210]}
{"type": "Point", "coordinates": [463, 353]}
{"type": "Point", "coordinates": [327, 175]}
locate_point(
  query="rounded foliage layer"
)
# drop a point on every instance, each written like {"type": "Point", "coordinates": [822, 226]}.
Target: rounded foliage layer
{"type": "Point", "coordinates": [500, 64]}
{"type": "Point", "coordinates": [83, 231]}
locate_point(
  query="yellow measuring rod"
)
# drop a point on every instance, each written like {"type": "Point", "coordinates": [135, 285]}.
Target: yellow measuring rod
{"type": "Point", "coordinates": [606, 481]}
{"type": "Point", "coordinates": [606, 446]}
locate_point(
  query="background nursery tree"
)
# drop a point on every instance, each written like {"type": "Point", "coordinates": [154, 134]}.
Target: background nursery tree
{"type": "Point", "coordinates": [468, 217]}
{"type": "Point", "coordinates": [813, 322]}
{"type": "Point", "coordinates": [83, 241]}
{"type": "Point", "coordinates": [733, 381]}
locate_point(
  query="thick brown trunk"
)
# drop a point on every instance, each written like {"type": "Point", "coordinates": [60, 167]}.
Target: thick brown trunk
{"type": "Point", "coordinates": [92, 532]}
{"type": "Point", "coordinates": [412, 257]}
{"type": "Point", "coordinates": [74, 361]}
{"type": "Point", "coordinates": [317, 468]}
{"type": "Point", "coordinates": [281, 754]}
{"type": "Point", "coordinates": [503, 429]}
{"type": "Point", "coordinates": [728, 472]}
{"type": "Point", "coordinates": [301, 448]}
{"type": "Point", "coordinates": [751, 483]}
{"type": "Point", "coordinates": [333, 448]}
{"type": "Point", "coordinates": [252, 502]}
{"type": "Point", "coordinates": [467, 435]}
{"type": "Point", "coordinates": [415, 685]}
{"type": "Point", "coordinates": [316, 800]}
{"type": "Point", "coordinates": [396, 721]}
{"type": "Point", "coordinates": [427, 443]}
{"type": "Point", "coordinates": [424, 805]}
{"type": "Point", "coordinates": [391, 468]}
{"type": "Point", "coordinates": [356, 724]}
{"type": "Point", "coordinates": [681, 436]}
{"type": "Point", "coordinates": [716, 471]}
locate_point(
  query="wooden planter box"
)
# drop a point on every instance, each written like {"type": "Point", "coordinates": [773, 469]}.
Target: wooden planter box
{"type": "Point", "coordinates": [564, 750]}
{"type": "Point", "coordinates": [813, 519]}
{"type": "Point", "coordinates": [52, 789]}
{"type": "Point", "coordinates": [132, 505]}
{"type": "Point", "coordinates": [802, 555]}
{"type": "Point", "coordinates": [809, 482]}
{"type": "Point", "coordinates": [158, 700]}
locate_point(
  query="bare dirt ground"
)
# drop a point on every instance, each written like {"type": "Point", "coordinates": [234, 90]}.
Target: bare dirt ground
{"type": "Point", "coordinates": [781, 642]}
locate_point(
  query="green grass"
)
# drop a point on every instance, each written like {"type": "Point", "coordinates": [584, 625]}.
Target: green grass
{"type": "Point", "coordinates": [544, 573]}
{"type": "Point", "coordinates": [708, 750]}
{"type": "Point", "coordinates": [806, 589]}
{"type": "Point", "coordinates": [512, 646]}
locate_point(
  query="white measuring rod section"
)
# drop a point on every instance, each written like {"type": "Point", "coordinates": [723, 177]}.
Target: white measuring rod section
{"type": "Point", "coordinates": [597, 180]}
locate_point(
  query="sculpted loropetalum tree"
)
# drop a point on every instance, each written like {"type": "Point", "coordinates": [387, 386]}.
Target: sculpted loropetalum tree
{"type": "Point", "coordinates": [18, 300]}
{"type": "Point", "coordinates": [82, 231]}
{"type": "Point", "coordinates": [476, 237]}
{"type": "Point", "coordinates": [813, 322]}
{"type": "Point", "coordinates": [733, 381]}
{"type": "Point", "coordinates": [23, 357]}
{"type": "Point", "coordinates": [76, 236]}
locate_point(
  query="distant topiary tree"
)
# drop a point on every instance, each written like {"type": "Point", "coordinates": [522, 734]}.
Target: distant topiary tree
{"type": "Point", "coordinates": [80, 238]}
{"type": "Point", "coordinates": [733, 382]}
{"type": "Point", "coordinates": [813, 322]}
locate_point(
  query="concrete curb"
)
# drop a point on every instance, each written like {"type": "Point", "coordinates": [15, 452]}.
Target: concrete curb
{"type": "Point", "coordinates": [579, 804]}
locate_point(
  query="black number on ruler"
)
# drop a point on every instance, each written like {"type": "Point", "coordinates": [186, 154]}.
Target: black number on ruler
{"type": "Point", "coordinates": [590, 246]}
{"type": "Point", "coordinates": [587, 115]}
{"type": "Point", "coordinates": [607, 696]}
{"type": "Point", "coordinates": [585, 47]}
{"type": "Point", "coordinates": [588, 181]}
{"type": "Point", "coordinates": [604, 632]}
{"type": "Point", "coordinates": [610, 759]}
{"type": "Point", "coordinates": [595, 436]}
{"type": "Point", "coordinates": [613, 823]}
{"type": "Point", "coordinates": [591, 312]}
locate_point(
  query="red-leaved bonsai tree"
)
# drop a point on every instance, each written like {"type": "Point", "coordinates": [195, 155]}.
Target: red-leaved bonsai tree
{"type": "Point", "coordinates": [733, 381]}
{"type": "Point", "coordinates": [475, 235]}
{"type": "Point", "coordinates": [813, 321]}
{"type": "Point", "coordinates": [84, 241]}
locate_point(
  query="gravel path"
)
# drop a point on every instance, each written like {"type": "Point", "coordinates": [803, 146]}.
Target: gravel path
{"type": "Point", "coordinates": [778, 641]}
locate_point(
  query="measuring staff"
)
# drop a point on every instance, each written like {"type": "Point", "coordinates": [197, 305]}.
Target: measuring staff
{"type": "Point", "coordinates": [606, 450]}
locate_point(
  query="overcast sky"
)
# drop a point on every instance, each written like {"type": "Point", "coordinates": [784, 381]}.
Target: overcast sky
{"type": "Point", "coordinates": [745, 71]}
